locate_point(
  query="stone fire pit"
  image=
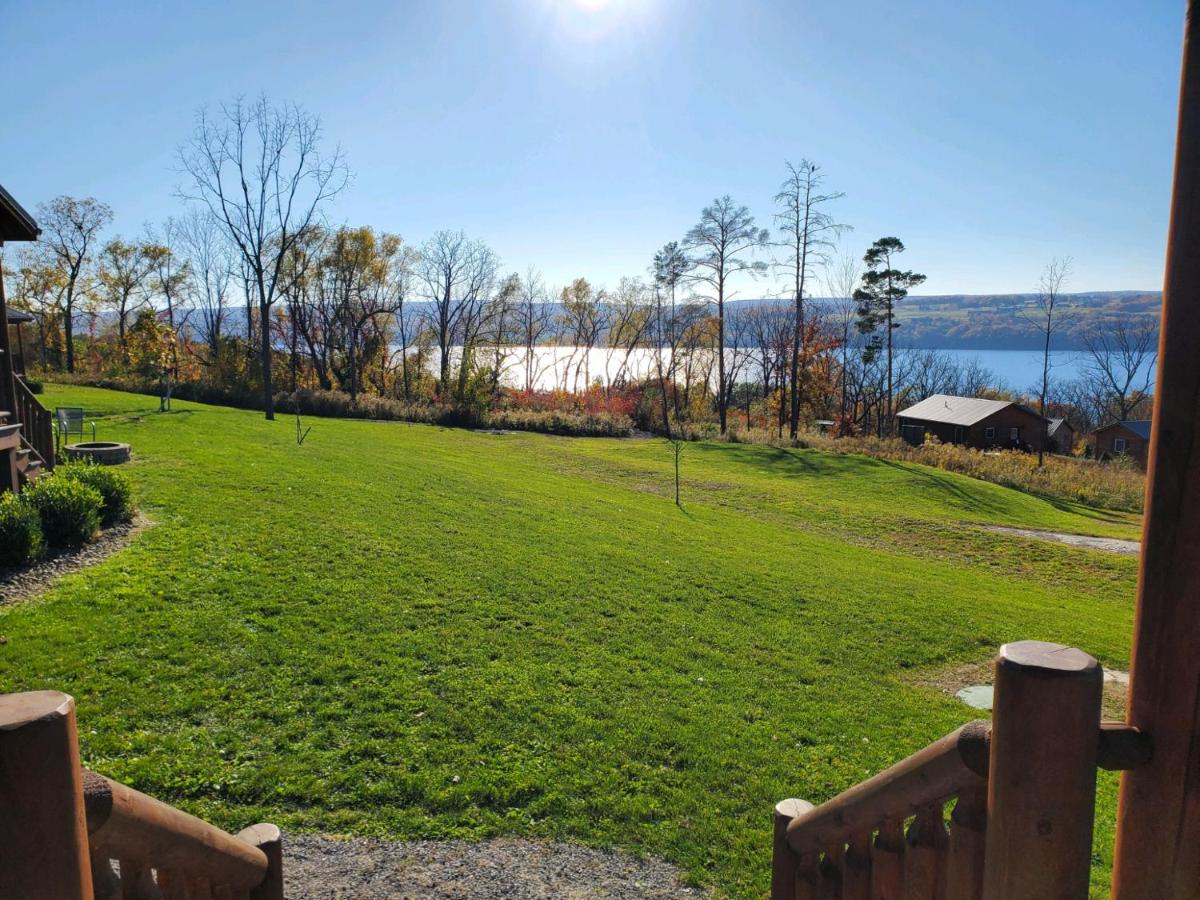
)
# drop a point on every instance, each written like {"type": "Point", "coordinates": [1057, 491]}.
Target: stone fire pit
{"type": "Point", "coordinates": [107, 453]}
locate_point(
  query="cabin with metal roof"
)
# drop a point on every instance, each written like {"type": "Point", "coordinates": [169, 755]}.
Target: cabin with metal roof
{"type": "Point", "coordinates": [1130, 438]}
{"type": "Point", "coordinates": [972, 422]}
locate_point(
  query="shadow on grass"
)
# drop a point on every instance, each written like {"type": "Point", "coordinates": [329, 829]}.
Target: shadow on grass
{"type": "Point", "coordinates": [795, 463]}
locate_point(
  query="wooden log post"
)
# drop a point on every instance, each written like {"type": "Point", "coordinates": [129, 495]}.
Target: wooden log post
{"type": "Point", "coordinates": [785, 862]}
{"type": "Point", "coordinates": [856, 868]}
{"type": "Point", "coordinates": [1042, 773]}
{"type": "Point", "coordinates": [925, 855]}
{"type": "Point", "coordinates": [887, 862]}
{"type": "Point", "coordinates": [43, 834]}
{"type": "Point", "coordinates": [968, 832]}
{"type": "Point", "coordinates": [267, 838]}
{"type": "Point", "coordinates": [1158, 819]}
{"type": "Point", "coordinates": [829, 873]}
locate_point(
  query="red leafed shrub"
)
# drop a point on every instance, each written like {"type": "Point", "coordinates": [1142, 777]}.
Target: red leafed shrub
{"type": "Point", "coordinates": [592, 402]}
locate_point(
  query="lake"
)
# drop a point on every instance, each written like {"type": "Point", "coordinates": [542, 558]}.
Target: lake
{"type": "Point", "coordinates": [566, 367]}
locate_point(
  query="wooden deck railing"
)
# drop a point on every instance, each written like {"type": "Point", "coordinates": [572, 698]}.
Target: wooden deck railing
{"type": "Point", "coordinates": [37, 424]}
{"type": "Point", "coordinates": [1023, 789]}
{"type": "Point", "coordinates": [60, 827]}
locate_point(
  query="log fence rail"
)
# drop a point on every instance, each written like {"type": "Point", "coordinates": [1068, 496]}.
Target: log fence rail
{"type": "Point", "coordinates": [62, 826]}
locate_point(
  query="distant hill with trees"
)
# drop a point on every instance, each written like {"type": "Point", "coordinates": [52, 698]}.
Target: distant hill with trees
{"type": "Point", "coordinates": [998, 322]}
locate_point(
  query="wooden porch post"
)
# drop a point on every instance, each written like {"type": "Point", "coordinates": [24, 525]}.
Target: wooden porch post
{"type": "Point", "coordinates": [1158, 821]}
{"type": "Point", "coordinates": [8, 396]}
{"type": "Point", "coordinates": [43, 831]}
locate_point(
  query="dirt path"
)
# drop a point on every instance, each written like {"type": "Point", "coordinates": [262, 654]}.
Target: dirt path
{"type": "Point", "coordinates": [322, 868]}
{"type": "Point", "coordinates": [1112, 545]}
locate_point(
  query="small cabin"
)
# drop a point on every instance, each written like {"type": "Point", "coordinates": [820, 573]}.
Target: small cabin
{"type": "Point", "coordinates": [1060, 436]}
{"type": "Point", "coordinates": [972, 422]}
{"type": "Point", "coordinates": [1129, 438]}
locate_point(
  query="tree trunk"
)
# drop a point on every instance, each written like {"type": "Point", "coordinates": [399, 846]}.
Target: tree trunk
{"type": "Point", "coordinates": [721, 394]}
{"type": "Point", "coordinates": [264, 311]}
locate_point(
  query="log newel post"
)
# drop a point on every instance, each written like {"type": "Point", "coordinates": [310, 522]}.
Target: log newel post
{"type": "Point", "coordinates": [785, 862]}
{"type": "Point", "coordinates": [266, 838]}
{"type": "Point", "coordinates": [1042, 773]}
{"type": "Point", "coordinates": [43, 832]}
{"type": "Point", "coordinates": [968, 832]}
{"type": "Point", "coordinates": [1158, 818]}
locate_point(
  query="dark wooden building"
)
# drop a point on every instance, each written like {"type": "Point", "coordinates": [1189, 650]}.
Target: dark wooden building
{"type": "Point", "coordinates": [1129, 438]}
{"type": "Point", "coordinates": [1060, 436]}
{"type": "Point", "coordinates": [973, 422]}
{"type": "Point", "coordinates": [26, 438]}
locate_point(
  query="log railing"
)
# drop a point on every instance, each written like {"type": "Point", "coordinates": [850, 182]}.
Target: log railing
{"type": "Point", "coordinates": [37, 425]}
{"type": "Point", "coordinates": [1023, 794]}
{"type": "Point", "coordinates": [61, 827]}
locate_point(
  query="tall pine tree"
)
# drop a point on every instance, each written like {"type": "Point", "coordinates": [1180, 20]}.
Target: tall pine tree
{"type": "Point", "coordinates": [883, 286]}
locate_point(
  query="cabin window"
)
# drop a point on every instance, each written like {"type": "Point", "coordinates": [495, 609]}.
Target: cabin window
{"type": "Point", "coordinates": [960, 434]}
{"type": "Point", "coordinates": [990, 432]}
{"type": "Point", "coordinates": [1014, 434]}
{"type": "Point", "coordinates": [1118, 445]}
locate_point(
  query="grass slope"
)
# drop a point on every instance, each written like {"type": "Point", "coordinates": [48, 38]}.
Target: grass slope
{"type": "Point", "coordinates": [409, 631]}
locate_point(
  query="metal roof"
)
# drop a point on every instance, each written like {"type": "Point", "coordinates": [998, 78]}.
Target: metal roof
{"type": "Point", "coordinates": [1055, 424]}
{"type": "Point", "coordinates": [15, 223]}
{"type": "Point", "coordinates": [18, 316]}
{"type": "Point", "coordinates": [954, 410]}
{"type": "Point", "coordinates": [1140, 427]}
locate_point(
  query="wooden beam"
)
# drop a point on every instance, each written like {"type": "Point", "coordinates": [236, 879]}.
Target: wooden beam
{"type": "Point", "coordinates": [1158, 819]}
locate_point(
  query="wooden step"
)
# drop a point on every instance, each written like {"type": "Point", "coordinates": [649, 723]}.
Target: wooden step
{"type": "Point", "coordinates": [24, 458]}
{"type": "Point", "coordinates": [10, 436]}
{"type": "Point", "coordinates": [32, 470]}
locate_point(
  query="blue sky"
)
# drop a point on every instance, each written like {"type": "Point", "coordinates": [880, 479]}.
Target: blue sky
{"type": "Point", "coordinates": [580, 135]}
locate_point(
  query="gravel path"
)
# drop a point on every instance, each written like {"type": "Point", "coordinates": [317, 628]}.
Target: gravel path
{"type": "Point", "coordinates": [1113, 545]}
{"type": "Point", "coordinates": [23, 584]}
{"type": "Point", "coordinates": [322, 868]}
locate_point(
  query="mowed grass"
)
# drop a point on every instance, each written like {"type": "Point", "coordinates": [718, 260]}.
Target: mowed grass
{"type": "Point", "coordinates": [409, 631]}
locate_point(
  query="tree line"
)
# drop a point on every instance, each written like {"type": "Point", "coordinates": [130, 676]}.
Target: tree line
{"type": "Point", "coordinates": [251, 289]}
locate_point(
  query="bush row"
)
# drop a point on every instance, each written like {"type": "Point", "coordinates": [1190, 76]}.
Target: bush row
{"type": "Point", "coordinates": [63, 509]}
{"type": "Point", "coordinates": [337, 405]}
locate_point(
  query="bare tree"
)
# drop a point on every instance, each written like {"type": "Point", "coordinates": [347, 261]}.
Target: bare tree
{"type": "Point", "coordinates": [668, 270]}
{"type": "Point", "coordinates": [630, 317]}
{"type": "Point", "coordinates": [457, 274]}
{"type": "Point", "coordinates": [71, 228]}
{"type": "Point", "coordinates": [1122, 361]}
{"type": "Point", "coordinates": [501, 320]}
{"type": "Point", "coordinates": [1047, 319]}
{"type": "Point", "coordinates": [210, 262]}
{"type": "Point", "coordinates": [808, 236]}
{"type": "Point", "coordinates": [259, 170]}
{"type": "Point", "coordinates": [534, 317]}
{"type": "Point", "coordinates": [718, 246]}
{"type": "Point", "coordinates": [841, 280]}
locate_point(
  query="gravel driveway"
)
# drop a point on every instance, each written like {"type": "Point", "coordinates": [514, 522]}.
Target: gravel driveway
{"type": "Point", "coordinates": [321, 868]}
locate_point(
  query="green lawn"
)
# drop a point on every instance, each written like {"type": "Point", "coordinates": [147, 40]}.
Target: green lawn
{"type": "Point", "coordinates": [405, 631]}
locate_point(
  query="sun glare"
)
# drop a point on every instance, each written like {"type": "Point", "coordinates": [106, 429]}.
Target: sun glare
{"type": "Point", "coordinates": [593, 20]}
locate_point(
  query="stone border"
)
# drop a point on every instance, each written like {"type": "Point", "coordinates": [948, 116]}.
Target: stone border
{"type": "Point", "coordinates": [26, 583]}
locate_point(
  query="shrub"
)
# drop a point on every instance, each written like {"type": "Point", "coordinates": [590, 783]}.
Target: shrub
{"type": "Point", "coordinates": [35, 387]}
{"type": "Point", "coordinates": [20, 532]}
{"type": "Point", "coordinates": [69, 510]}
{"type": "Point", "coordinates": [114, 488]}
